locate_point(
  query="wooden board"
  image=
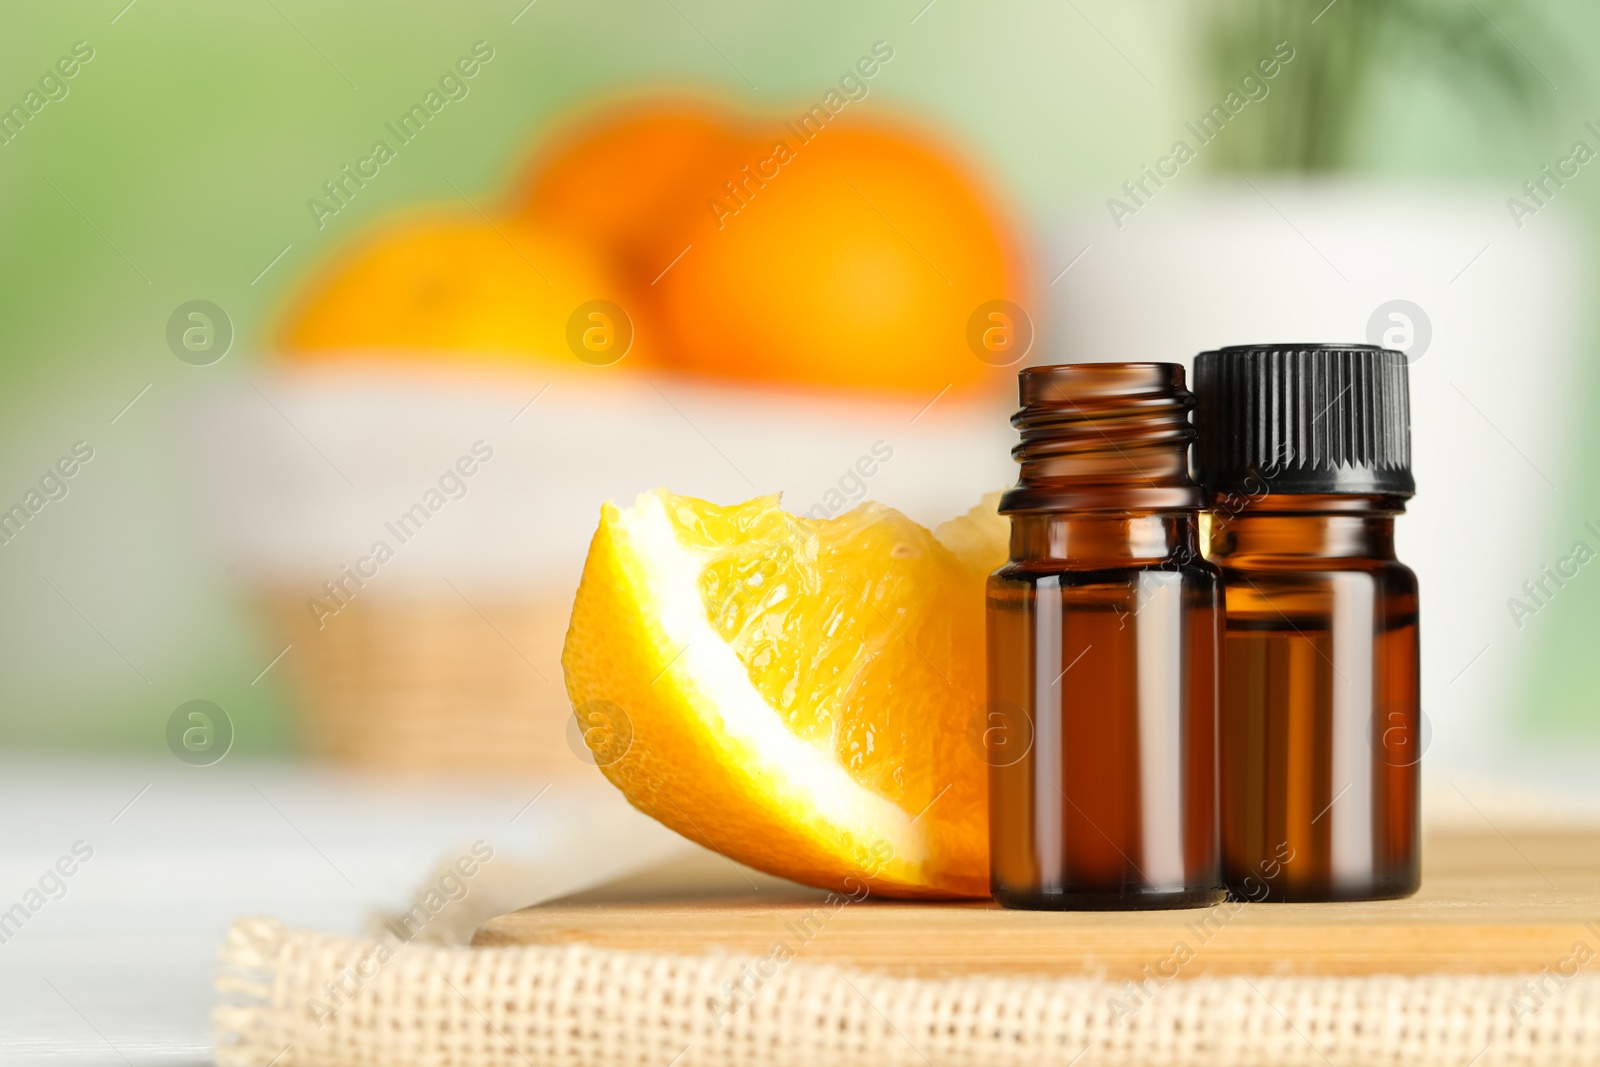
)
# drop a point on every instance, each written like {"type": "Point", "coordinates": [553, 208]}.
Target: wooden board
{"type": "Point", "coordinates": [1489, 904]}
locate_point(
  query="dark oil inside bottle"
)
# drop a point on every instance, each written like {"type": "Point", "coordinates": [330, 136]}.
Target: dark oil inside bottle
{"type": "Point", "coordinates": [1321, 731]}
{"type": "Point", "coordinates": [1103, 645]}
{"type": "Point", "coordinates": [1111, 670]}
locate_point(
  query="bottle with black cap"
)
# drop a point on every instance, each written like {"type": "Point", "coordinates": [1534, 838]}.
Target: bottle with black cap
{"type": "Point", "coordinates": [1305, 451]}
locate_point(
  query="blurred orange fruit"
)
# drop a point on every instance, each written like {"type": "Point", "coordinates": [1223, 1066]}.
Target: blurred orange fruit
{"type": "Point", "coordinates": [446, 284]}
{"type": "Point", "coordinates": [795, 693]}
{"type": "Point", "coordinates": [861, 257]}
{"type": "Point", "coordinates": [632, 181]}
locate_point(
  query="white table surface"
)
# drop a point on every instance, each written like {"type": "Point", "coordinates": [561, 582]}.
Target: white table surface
{"type": "Point", "coordinates": [118, 970]}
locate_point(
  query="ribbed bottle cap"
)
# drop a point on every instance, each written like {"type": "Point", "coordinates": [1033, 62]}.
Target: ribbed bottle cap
{"type": "Point", "coordinates": [1303, 419]}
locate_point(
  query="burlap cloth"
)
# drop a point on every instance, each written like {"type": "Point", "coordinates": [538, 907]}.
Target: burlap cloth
{"type": "Point", "coordinates": [301, 998]}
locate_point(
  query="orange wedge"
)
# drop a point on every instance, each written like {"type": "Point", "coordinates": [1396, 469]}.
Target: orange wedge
{"type": "Point", "coordinates": [793, 693]}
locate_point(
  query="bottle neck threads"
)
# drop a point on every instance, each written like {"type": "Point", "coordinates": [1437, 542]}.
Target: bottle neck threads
{"type": "Point", "coordinates": [1103, 437]}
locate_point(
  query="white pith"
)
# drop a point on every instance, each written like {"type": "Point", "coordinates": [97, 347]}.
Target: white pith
{"type": "Point", "coordinates": [720, 691]}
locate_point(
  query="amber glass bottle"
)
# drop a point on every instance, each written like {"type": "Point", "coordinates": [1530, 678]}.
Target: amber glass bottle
{"type": "Point", "coordinates": [1103, 634]}
{"type": "Point", "coordinates": [1306, 452]}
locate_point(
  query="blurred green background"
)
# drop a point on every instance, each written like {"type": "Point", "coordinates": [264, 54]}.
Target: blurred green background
{"type": "Point", "coordinates": [179, 164]}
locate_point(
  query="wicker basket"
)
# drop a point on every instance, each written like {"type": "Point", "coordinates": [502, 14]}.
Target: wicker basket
{"type": "Point", "coordinates": [431, 683]}
{"type": "Point", "coordinates": [450, 660]}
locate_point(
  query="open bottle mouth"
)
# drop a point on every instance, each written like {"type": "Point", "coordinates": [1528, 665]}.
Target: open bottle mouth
{"type": "Point", "coordinates": [1103, 436]}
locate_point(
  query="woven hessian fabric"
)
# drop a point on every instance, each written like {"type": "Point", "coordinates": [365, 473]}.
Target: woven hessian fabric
{"type": "Point", "coordinates": [301, 999]}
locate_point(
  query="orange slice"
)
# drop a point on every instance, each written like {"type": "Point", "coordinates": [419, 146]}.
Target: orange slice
{"type": "Point", "coordinates": [793, 693]}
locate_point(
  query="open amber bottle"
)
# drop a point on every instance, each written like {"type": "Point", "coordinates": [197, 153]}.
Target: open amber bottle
{"type": "Point", "coordinates": [1306, 451]}
{"type": "Point", "coordinates": [1103, 635]}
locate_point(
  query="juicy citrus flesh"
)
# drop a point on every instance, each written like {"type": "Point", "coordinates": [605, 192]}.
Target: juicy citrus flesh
{"type": "Point", "coordinates": [793, 693]}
